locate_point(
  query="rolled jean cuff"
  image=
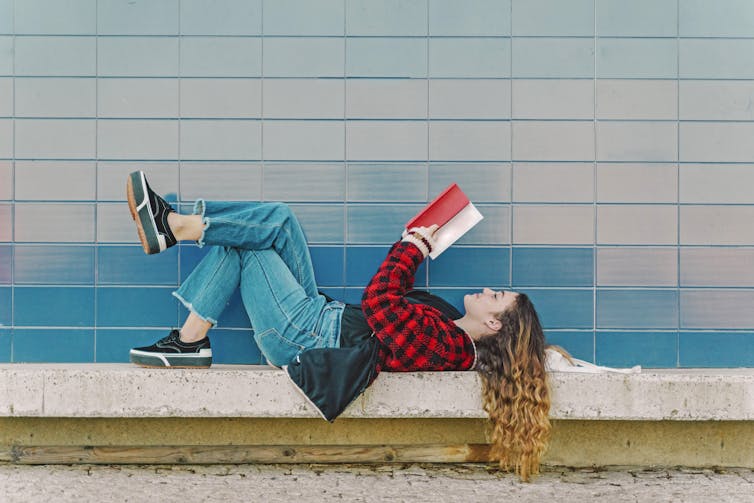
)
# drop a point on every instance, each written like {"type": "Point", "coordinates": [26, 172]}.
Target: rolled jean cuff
{"type": "Point", "coordinates": [199, 209]}
{"type": "Point", "coordinates": [188, 305]}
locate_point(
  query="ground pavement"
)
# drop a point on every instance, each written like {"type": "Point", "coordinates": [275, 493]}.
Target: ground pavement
{"type": "Point", "coordinates": [410, 483]}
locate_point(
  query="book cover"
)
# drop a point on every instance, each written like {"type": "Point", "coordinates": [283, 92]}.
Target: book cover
{"type": "Point", "coordinates": [453, 212]}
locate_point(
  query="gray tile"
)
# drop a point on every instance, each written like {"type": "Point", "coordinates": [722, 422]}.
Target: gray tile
{"type": "Point", "coordinates": [6, 223]}
{"type": "Point", "coordinates": [481, 182]}
{"type": "Point", "coordinates": [304, 182]}
{"type": "Point", "coordinates": [376, 182]}
{"type": "Point", "coordinates": [716, 183]}
{"type": "Point", "coordinates": [716, 59]}
{"type": "Point", "coordinates": [718, 309]}
{"type": "Point", "coordinates": [221, 181]}
{"type": "Point", "coordinates": [378, 224]}
{"type": "Point", "coordinates": [638, 18]}
{"type": "Point", "coordinates": [643, 266]}
{"type": "Point", "coordinates": [219, 98]}
{"type": "Point", "coordinates": [723, 18]}
{"type": "Point", "coordinates": [386, 141]}
{"type": "Point", "coordinates": [553, 99]}
{"type": "Point", "coordinates": [553, 18]}
{"type": "Point", "coordinates": [304, 98]}
{"type": "Point", "coordinates": [716, 142]}
{"type": "Point", "coordinates": [304, 140]}
{"type": "Point", "coordinates": [553, 57]}
{"type": "Point", "coordinates": [322, 223]}
{"type": "Point", "coordinates": [470, 141]}
{"type": "Point", "coordinates": [303, 57]}
{"type": "Point", "coordinates": [553, 182]}
{"type": "Point", "coordinates": [621, 308]}
{"type": "Point", "coordinates": [469, 57]}
{"type": "Point", "coordinates": [628, 224]}
{"type": "Point", "coordinates": [221, 140]}
{"type": "Point", "coordinates": [469, 99]}
{"type": "Point", "coordinates": [6, 97]}
{"type": "Point", "coordinates": [137, 139]}
{"type": "Point", "coordinates": [637, 141]}
{"type": "Point", "coordinates": [231, 17]}
{"type": "Point", "coordinates": [637, 183]}
{"type": "Point", "coordinates": [386, 99]}
{"type": "Point", "coordinates": [6, 180]}
{"type": "Point", "coordinates": [221, 57]}
{"type": "Point", "coordinates": [717, 225]}
{"type": "Point", "coordinates": [717, 267]}
{"type": "Point", "coordinates": [114, 224]}
{"type": "Point", "coordinates": [124, 17]}
{"type": "Point", "coordinates": [386, 57]}
{"type": "Point", "coordinates": [56, 264]}
{"type": "Point", "coordinates": [637, 99]}
{"type": "Point", "coordinates": [553, 224]}
{"type": "Point", "coordinates": [6, 16]}
{"type": "Point", "coordinates": [716, 100]}
{"type": "Point", "coordinates": [51, 97]}
{"type": "Point", "coordinates": [52, 17]}
{"type": "Point", "coordinates": [620, 58]}
{"type": "Point", "coordinates": [57, 139]}
{"type": "Point", "coordinates": [111, 178]}
{"type": "Point", "coordinates": [7, 52]}
{"type": "Point", "coordinates": [137, 98]}
{"type": "Point", "coordinates": [6, 138]}
{"type": "Point", "coordinates": [470, 18]}
{"type": "Point", "coordinates": [493, 230]}
{"type": "Point", "coordinates": [303, 17]}
{"type": "Point", "coordinates": [55, 56]}
{"type": "Point", "coordinates": [553, 141]}
{"type": "Point", "coordinates": [55, 180]}
{"type": "Point", "coordinates": [388, 17]}
{"type": "Point", "coordinates": [54, 222]}
{"type": "Point", "coordinates": [137, 56]}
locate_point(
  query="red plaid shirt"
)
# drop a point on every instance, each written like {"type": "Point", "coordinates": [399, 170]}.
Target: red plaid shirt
{"type": "Point", "coordinates": [413, 336]}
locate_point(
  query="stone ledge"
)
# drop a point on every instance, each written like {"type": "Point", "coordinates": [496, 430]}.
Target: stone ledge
{"type": "Point", "coordinates": [125, 391]}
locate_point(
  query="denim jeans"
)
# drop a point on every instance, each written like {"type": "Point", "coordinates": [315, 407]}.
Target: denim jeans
{"type": "Point", "coordinates": [261, 248]}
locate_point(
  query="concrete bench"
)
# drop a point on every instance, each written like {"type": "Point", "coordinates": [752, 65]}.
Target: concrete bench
{"type": "Point", "coordinates": [113, 413]}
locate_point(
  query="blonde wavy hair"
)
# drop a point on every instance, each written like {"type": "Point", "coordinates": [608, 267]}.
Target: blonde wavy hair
{"type": "Point", "coordinates": [515, 390]}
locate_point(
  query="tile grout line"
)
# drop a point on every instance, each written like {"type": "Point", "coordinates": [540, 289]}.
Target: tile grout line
{"type": "Point", "coordinates": [13, 197]}
{"type": "Point", "coordinates": [96, 176]}
{"type": "Point", "coordinates": [678, 183]}
{"type": "Point", "coordinates": [511, 176]}
{"type": "Point", "coordinates": [594, 189]}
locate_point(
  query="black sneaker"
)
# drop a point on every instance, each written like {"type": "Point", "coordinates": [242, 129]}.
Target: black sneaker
{"type": "Point", "coordinates": [172, 352]}
{"type": "Point", "coordinates": [150, 212]}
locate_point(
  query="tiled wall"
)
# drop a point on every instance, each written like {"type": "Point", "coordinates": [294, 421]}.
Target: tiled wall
{"type": "Point", "coordinates": [609, 143]}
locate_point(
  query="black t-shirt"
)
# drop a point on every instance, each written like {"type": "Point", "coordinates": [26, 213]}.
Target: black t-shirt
{"type": "Point", "coordinates": [354, 328]}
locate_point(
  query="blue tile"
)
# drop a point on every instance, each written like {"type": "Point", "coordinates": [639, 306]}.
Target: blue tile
{"type": "Point", "coordinates": [722, 18]}
{"type": "Point", "coordinates": [322, 224]}
{"type": "Point", "coordinates": [328, 265]}
{"type": "Point", "coordinates": [352, 295]}
{"type": "Point", "coordinates": [373, 224]}
{"type": "Point", "coordinates": [190, 256]}
{"type": "Point", "coordinates": [113, 345]}
{"type": "Point", "coordinates": [562, 308]}
{"type": "Point", "coordinates": [469, 57]}
{"type": "Point", "coordinates": [7, 58]}
{"type": "Point", "coordinates": [553, 18]}
{"type": "Point", "coordinates": [229, 17]}
{"type": "Point", "coordinates": [716, 59]}
{"type": "Point", "coordinates": [716, 349]}
{"type": "Point", "coordinates": [626, 349]}
{"type": "Point", "coordinates": [334, 293]}
{"type": "Point", "coordinates": [362, 263]}
{"type": "Point", "coordinates": [55, 306]}
{"type": "Point", "coordinates": [6, 17]}
{"type": "Point", "coordinates": [553, 267]}
{"type": "Point", "coordinates": [5, 346]}
{"type": "Point", "coordinates": [136, 307]}
{"type": "Point", "coordinates": [638, 18]}
{"type": "Point", "coordinates": [54, 264]}
{"type": "Point", "coordinates": [304, 17]}
{"type": "Point", "coordinates": [53, 345]}
{"type": "Point", "coordinates": [125, 17]}
{"type": "Point", "coordinates": [454, 296]}
{"type": "Point", "coordinates": [6, 305]}
{"type": "Point", "coordinates": [637, 309]}
{"type": "Point", "coordinates": [235, 347]}
{"type": "Point", "coordinates": [375, 182]}
{"type": "Point", "coordinates": [482, 182]}
{"type": "Point", "coordinates": [388, 17]}
{"type": "Point", "coordinates": [550, 57]}
{"type": "Point", "coordinates": [470, 17]}
{"type": "Point", "coordinates": [579, 344]}
{"type": "Point", "coordinates": [51, 17]}
{"type": "Point", "coordinates": [128, 265]}
{"type": "Point", "coordinates": [303, 57]}
{"type": "Point", "coordinates": [635, 57]}
{"type": "Point", "coordinates": [6, 255]}
{"type": "Point", "coordinates": [234, 315]}
{"type": "Point", "coordinates": [386, 57]}
{"type": "Point", "coordinates": [471, 266]}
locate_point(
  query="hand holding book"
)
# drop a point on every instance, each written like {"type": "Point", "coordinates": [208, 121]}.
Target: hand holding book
{"type": "Point", "coordinates": [422, 237]}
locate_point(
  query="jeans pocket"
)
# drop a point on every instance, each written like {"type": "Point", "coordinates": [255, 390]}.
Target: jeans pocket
{"type": "Point", "coordinates": [277, 349]}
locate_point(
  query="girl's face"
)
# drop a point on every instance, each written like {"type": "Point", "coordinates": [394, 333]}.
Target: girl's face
{"type": "Point", "coordinates": [488, 304]}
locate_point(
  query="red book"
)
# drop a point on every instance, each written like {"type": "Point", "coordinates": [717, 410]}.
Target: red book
{"type": "Point", "coordinates": [453, 212]}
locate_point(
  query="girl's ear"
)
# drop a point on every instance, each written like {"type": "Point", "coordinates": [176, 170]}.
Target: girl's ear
{"type": "Point", "coordinates": [494, 324]}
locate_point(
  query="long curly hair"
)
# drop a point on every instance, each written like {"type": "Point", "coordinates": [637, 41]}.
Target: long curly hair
{"type": "Point", "coordinates": [515, 390]}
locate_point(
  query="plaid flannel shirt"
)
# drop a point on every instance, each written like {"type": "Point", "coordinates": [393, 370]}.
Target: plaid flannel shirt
{"type": "Point", "coordinates": [413, 336]}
